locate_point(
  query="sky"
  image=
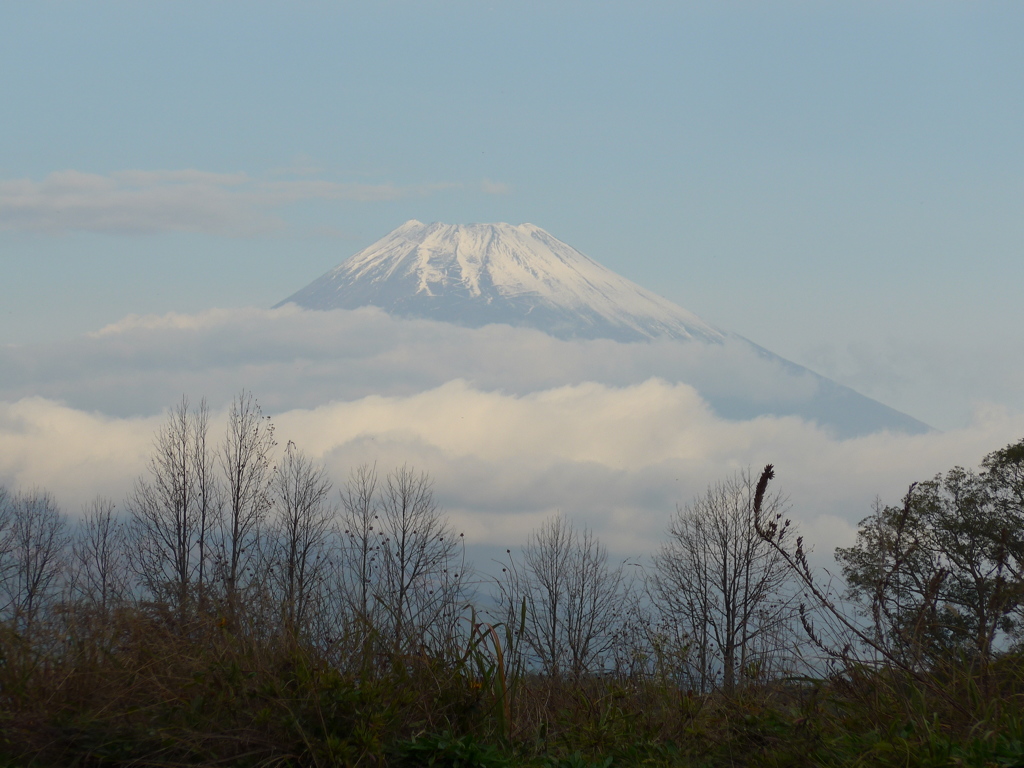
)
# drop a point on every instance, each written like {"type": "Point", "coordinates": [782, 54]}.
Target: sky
{"type": "Point", "coordinates": [839, 182]}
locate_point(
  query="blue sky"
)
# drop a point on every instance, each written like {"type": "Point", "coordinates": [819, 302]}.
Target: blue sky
{"type": "Point", "coordinates": [840, 182]}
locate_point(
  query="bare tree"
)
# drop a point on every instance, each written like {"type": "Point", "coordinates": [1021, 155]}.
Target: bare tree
{"type": "Point", "coordinates": [173, 510]}
{"type": "Point", "coordinates": [407, 570]}
{"type": "Point", "coordinates": [245, 459]}
{"type": "Point", "coordinates": [722, 589]}
{"type": "Point", "coordinates": [361, 558]}
{"type": "Point", "coordinates": [6, 534]}
{"type": "Point", "coordinates": [100, 557]}
{"type": "Point", "coordinates": [34, 555]}
{"type": "Point", "coordinates": [301, 533]}
{"type": "Point", "coordinates": [207, 496]}
{"type": "Point", "coordinates": [575, 599]}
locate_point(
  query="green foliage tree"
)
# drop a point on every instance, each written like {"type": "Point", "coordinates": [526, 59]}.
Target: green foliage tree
{"type": "Point", "coordinates": [942, 573]}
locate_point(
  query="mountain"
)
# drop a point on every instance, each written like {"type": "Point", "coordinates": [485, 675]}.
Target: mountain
{"type": "Point", "coordinates": [480, 274]}
{"type": "Point", "coordinates": [499, 273]}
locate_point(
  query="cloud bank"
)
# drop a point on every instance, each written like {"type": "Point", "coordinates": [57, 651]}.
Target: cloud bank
{"type": "Point", "coordinates": [300, 358]}
{"type": "Point", "coordinates": [511, 424]}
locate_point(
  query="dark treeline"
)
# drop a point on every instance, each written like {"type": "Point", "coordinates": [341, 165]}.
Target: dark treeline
{"type": "Point", "coordinates": [240, 608]}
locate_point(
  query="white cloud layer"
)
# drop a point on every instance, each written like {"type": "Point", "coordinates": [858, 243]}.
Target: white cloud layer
{"type": "Point", "coordinates": [145, 202]}
{"type": "Point", "coordinates": [511, 424]}
{"type": "Point", "coordinates": [618, 459]}
{"type": "Point", "coordinates": [300, 358]}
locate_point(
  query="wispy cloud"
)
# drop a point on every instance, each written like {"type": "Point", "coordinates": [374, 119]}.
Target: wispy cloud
{"type": "Point", "coordinates": [494, 187]}
{"type": "Point", "coordinates": [277, 192]}
{"type": "Point", "coordinates": [134, 202]}
{"type": "Point", "coordinates": [938, 379]}
{"type": "Point", "coordinates": [188, 200]}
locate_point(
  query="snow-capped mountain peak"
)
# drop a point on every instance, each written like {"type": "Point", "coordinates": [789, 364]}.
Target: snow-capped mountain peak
{"type": "Point", "coordinates": [499, 273]}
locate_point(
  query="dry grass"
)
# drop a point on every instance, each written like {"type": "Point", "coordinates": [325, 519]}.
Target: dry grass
{"type": "Point", "coordinates": [140, 689]}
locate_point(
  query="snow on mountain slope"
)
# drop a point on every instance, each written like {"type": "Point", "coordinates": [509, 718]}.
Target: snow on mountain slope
{"type": "Point", "coordinates": [482, 274]}
{"type": "Point", "coordinates": [499, 273]}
